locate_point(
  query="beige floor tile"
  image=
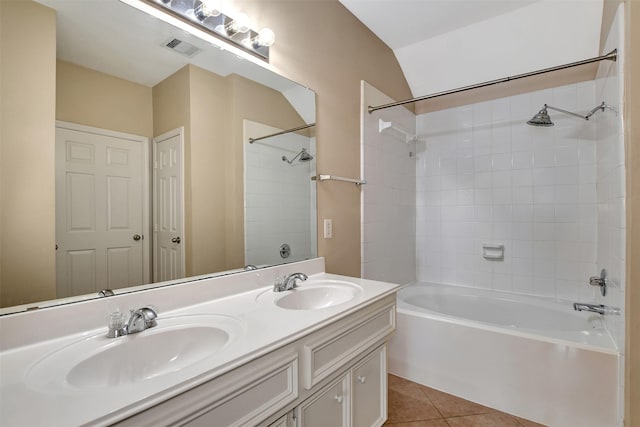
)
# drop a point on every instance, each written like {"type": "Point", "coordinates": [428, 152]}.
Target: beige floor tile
{"type": "Point", "coordinates": [527, 423]}
{"type": "Point", "coordinates": [453, 406]}
{"type": "Point", "coordinates": [406, 405]}
{"type": "Point", "coordinates": [495, 419]}
{"type": "Point", "coordinates": [423, 423]}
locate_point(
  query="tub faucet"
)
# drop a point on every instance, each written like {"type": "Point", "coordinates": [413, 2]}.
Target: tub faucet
{"type": "Point", "coordinates": [140, 319]}
{"type": "Point", "coordinates": [596, 308]}
{"type": "Point", "coordinates": [289, 282]}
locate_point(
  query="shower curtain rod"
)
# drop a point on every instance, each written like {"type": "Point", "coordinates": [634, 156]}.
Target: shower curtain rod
{"type": "Point", "coordinates": [612, 56]}
{"type": "Point", "coordinates": [252, 140]}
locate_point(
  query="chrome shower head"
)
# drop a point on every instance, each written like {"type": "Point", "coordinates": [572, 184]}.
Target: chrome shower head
{"type": "Point", "coordinates": [303, 154]}
{"type": "Point", "coordinates": [541, 118]}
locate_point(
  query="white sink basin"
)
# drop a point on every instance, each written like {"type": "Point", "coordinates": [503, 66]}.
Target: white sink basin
{"type": "Point", "coordinates": [176, 344]}
{"type": "Point", "coordinates": [315, 295]}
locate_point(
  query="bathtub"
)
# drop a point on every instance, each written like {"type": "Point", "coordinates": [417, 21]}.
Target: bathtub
{"type": "Point", "coordinates": [527, 356]}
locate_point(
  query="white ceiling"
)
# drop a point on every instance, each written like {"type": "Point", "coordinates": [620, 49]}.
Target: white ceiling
{"type": "Point", "coordinates": [116, 39]}
{"type": "Point", "coordinates": [446, 44]}
{"type": "Point", "coordinates": [399, 23]}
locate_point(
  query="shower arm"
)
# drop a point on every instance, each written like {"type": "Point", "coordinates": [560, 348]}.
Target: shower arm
{"type": "Point", "coordinates": [585, 117]}
{"type": "Point", "coordinates": [292, 160]}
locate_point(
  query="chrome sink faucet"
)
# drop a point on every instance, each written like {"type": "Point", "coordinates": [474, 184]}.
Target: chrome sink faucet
{"type": "Point", "coordinates": [139, 320]}
{"type": "Point", "coordinates": [596, 308]}
{"type": "Point", "coordinates": [289, 282]}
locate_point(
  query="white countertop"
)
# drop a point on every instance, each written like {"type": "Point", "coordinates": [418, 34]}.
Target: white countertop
{"type": "Point", "coordinates": [263, 328]}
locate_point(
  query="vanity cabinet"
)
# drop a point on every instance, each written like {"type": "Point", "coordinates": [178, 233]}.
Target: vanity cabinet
{"type": "Point", "coordinates": [357, 399]}
{"type": "Point", "coordinates": [335, 376]}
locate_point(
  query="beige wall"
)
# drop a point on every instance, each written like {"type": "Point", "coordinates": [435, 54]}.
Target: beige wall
{"type": "Point", "coordinates": [92, 98]}
{"type": "Point", "coordinates": [252, 101]}
{"type": "Point", "coordinates": [632, 140]}
{"type": "Point", "coordinates": [211, 109]}
{"type": "Point", "coordinates": [171, 110]}
{"type": "Point", "coordinates": [27, 140]}
{"type": "Point", "coordinates": [209, 134]}
{"type": "Point", "coordinates": [322, 45]}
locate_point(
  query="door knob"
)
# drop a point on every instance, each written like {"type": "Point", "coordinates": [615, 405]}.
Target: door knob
{"type": "Point", "coordinates": [176, 239]}
{"type": "Point", "coordinates": [137, 237]}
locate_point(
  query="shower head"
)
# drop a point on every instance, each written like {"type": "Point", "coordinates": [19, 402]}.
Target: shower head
{"type": "Point", "coordinates": [541, 118]}
{"type": "Point", "coordinates": [303, 154]}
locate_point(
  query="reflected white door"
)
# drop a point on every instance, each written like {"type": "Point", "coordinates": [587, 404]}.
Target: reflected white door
{"type": "Point", "coordinates": [99, 210]}
{"type": "Point", "coordinates": [168, 205]}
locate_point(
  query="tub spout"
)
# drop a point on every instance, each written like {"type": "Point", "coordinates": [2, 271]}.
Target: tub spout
{"type": "Point", "coordinates": [596, 308]}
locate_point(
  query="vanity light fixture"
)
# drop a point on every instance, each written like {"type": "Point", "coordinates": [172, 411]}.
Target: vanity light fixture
{"type": "Point", "coordinates": [205, 19]}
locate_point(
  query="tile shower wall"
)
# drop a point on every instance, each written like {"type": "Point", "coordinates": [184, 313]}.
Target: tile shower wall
{"type": "Point", "coordinates": [388, 198]}
{"type": "Point", "coordinates": [279, 197]}
{"type": "Point", "coordinates": [484, 176]}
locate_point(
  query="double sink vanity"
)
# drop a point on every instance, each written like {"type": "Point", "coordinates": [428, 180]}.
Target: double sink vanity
{"type": "Point", "coordinates": [223, 351]}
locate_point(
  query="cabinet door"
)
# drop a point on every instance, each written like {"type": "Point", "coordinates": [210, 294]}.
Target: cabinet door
{"type": "Point", "coordinates": [327, 408]}
{"type": "Point", "coordinates": [369, 388]}
{"type": "Point", "coordinates": [284, 421]}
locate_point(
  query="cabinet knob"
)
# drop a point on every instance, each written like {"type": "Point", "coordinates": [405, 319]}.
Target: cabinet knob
{"type": "Point", "coordinates": [362, 379]}
{"type": "Point", "coordinates": [338, 398]}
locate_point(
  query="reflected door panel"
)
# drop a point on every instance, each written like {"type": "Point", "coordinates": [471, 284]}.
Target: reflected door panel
{"type": "Point", "coordinates": [98, 212]}
{"type": "Point", "coordinates": [168, 254]}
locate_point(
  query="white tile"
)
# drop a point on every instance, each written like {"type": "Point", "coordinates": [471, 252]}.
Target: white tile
{"type": "Point", "coordinates": [566, 175]}
{"type": "Point", "coordinates": [543, 231]}
{"type": "Point", "coordinates": [522, 213]}
{"type": "Point", "coordinates": [543, 194]}
{"type": "Point", "coordinates": [501, 179]}
{"type": "Point", "coordinates": [543, 176]}
{"type": "Point", "coordinates": [566, 194]}
{"type": "Point", "coordinates": [482, 163]}
{"type": "Point", "coordinates": [483, 196]}
{"type": "Point", "coordinates": [543, 158]}
{"type": "Point", "coordinates": [522, 195]}
{"type": "Point", "coordinates": [522, 248]}
{"type": "Point", "coordinates": [501, 161]}
{"type": "Point", "coordinates": [522, 160]}
{"type": "Point", "coordinates": [502, 196]}
{"type": "Point", "coordinates": [566, 156]}
{"type": "Point", "coordinates": [482, 180]}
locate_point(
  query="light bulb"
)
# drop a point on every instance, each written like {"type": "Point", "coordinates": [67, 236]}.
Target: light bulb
{"type": "Point", "coordinates": [210, 8]}
{"type": "Point", "coordinates": [241, 23]}
{"type": "Point", "coordinates": [266, 37]}
{"type": "Point", "coordinates": [206, 9]}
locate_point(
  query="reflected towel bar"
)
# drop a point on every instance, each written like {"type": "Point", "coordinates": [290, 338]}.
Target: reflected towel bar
{"type": "Point", "coordinates": [357, 182]}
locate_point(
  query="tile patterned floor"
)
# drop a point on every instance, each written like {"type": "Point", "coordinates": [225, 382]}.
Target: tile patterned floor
{"type": "Point", "coordinates": [414, 405]}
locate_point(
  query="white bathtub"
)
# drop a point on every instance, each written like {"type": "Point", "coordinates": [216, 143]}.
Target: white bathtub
{"type": "Point", "coordinates": [527, 356]}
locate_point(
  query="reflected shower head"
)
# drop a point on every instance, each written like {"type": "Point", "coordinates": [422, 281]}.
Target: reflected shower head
{"type": "Point", "coordinates": [303, 154]}
{"type": "Point", "coordinates": [541, 118]}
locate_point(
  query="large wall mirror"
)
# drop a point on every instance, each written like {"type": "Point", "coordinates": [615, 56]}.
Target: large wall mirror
{"type": "Point", "coordinates": [155, 177]}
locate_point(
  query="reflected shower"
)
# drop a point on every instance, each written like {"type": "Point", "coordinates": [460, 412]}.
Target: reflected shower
{"type": "Point", "coordinates": [542, 117]}
{"type": "Point", "coordinates": [303, 154]}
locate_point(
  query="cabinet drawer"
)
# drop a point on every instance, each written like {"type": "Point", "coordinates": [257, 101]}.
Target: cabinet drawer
{"type": "Point", "coordinates": [244, 396]}
{"type": "Point", "coordinates": [327, 352]}
{"type": "Point", "coordinates": [260, 396]}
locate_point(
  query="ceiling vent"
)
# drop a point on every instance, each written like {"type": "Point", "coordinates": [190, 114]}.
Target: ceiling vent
{"type": "Point", "coordinates": [182, 47]}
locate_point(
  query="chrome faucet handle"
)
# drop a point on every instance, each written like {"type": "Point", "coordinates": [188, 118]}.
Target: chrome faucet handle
{"type": "Point", "coordinates": [117, 327]}
{"type": "Point", "coordinates": [600, 281]}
